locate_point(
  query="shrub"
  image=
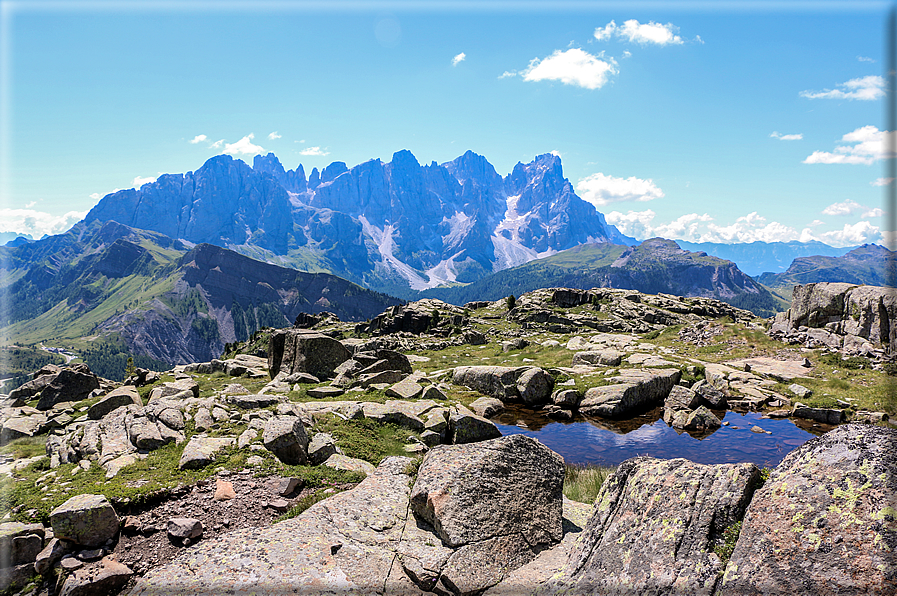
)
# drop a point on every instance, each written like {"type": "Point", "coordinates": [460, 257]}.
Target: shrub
{"type": "Point", "coordinates": [730, 537]}
{"type": "Point", "coordinates": [511, 301]}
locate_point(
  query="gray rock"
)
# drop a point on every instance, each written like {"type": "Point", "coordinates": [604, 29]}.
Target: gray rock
{"type": "Point", "coordinates": [183, 528]}
{"type": "Point", "coordinates": [88, 520]}
{"type": "Point", "coordinates": [202, 420]}
{"type": "Point", "coordinates": [201, 451]}
{"type": "Point", "coordinates": [471, 493]}
{"type": "Point", "coordinates": [298, 351]}
{"type": "Point", "coordinates": [800, 391]}
{"type": "Point", "coordinates": [394, 412]}
{"type": "Point", "coordinates": [655, 525]}
{"type": "Point", "coordinates": [701, 419]}
{"type": "Point", "coordinates": [600, 357]}
{"type": "Point", "coordinates": [53, 552]}
{"type": "Point", "coordinates": [320, 448]}
{"type": "Point", "coordinates": [824, 415]}
{"type": "Point", "coordinates": [407, 388]}
{"type": "Point", "coordinates": [681, 398]}
{"type": "Point", "coordinates": [495, 381]}
{"type": "Point", "coordinates": [288, 486]}
{"type": "Point", "coordinates": [469, 428]}
{"type": "Point", "coordinates": [518, 343]}
{"type": "Point", "coordinates": [70, 384]}
{"type": "Point", "coordinates": [827, 512]}
{"type": "Point", "coordinates": [432, 392]}
{"type": "Point", "coordinates": [566, 398]}
{"type": "Point", "coordinates": [323, 392]}
{"type": "Point", "coordinates": [117, 398]}
{"type": "Point", "coordinates": [286, 438]}
{"type": "Point", "coordinates": [487, 407]}
{"type": "Point", "coordinates": [534, 386]}
{"type": "Point", "coordinates": [639, 389]}
{"type": "Point", "coordinates": [302, 379]}
{"type": "Point", "coordinates": [710, 396]}
{"type": "Point", "coordinates": [338, 461]}
{"type": "Point", "coordinates": [21, 426]}
{"type": "Point", "coordinates": [107, 576]}
{"type": "Point", "coordinates": [172, 418]}
{"type": "Point", "coordinates": [220, 414]}
{"type": "Point", "coordinates": [252, 402]}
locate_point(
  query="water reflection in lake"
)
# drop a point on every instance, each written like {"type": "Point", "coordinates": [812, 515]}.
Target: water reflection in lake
{"type": "Point", "coordinates": [609, 442]}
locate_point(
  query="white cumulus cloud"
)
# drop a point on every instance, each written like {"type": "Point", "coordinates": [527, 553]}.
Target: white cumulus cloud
{"type": "Point", "coordinates": [863, 88]}
{"type": "Point", "coordinates": [881, 181]}
{"type": "Point", "coordinates": [243, 147]}
{"type": "Point", "coordinates": [141, 180]}
{"type": "Point", "coordinates": [874, 212]}
{"type": "Point", "coordinates": [217, 144]}
{"type": "Point", "coordinates": [861, 232]}
{"type": "Point", "coordinates": [508, 74]}
{"type": "Point", "coordinates": [571, 67]}
{"type": "Point", "coordinates": [600, 189]}
{"type": "Point", "coordinates": [316, 151]}
{"type": "Point", "coordinates": [641, 33]}
{"type": "Point", "coordinates": [37, 223]}
{"type": "Point", "coordinates": [95, 196]}
{"type": "Point", "coordinates": [274, 135]}
{"type": "Point", "coordinates": [458, 59]}
{"type": "Point", "coordinates": [198, 139]}
{"type": "Point", "coordinates": [865, 145]}
{"type": "Point", "coordinates": [847, 207]}
{"type": "Point", "coordinates": [865, 59]}
{"type": "Point", "coordinates": [781, 137]}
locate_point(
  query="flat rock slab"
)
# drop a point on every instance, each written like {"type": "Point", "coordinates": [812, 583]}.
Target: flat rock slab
{"type": "Point", "coordinates": [344, 544]}
{"type": "Point", "coordinates": [201, 451]}
{"type": "Point", "coordinates": [251, 401]}
{"type": "Point", "coordinates": [781, 370]}
{"type": "Point", "coordinates": [633, 390]}
{"type": "Point", "coordinates": [338, 461]}
{"type": "Point", "coordinates": [825, 522]}
{"type": "Point", "coordinates": [655, 526]}
{"type": "Point", "coordinates": [323, 392]}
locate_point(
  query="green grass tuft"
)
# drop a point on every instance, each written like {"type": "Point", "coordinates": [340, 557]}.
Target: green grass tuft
{"type": "Point", "coordinates": [582, 483]}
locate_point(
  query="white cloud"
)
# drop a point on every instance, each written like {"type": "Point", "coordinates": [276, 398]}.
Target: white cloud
{"type": "Point", "coordinates": [243, 147]}
{"type": "Point", "coordinates": [606, 32]}
{"type": "Point", "coordinates": [30, 204]}
{"type": "Point", "coordinates": [865, 59]}
{"type": "Point", "coordinates": [459, 58]}
{"type": "Point", "coordinates": [881, 181]}
{"type": "Point", "coordinates": [507, 74]}
{"type": "Point", "coordinates": [571, 67]}
{"type": "Point", "coordinates": [274, 135]}
{"type": "Point", "coordinates": [37, 223]}
{"type": "Point", "coordinates": [847, 207]}
{"type": "Point", "coordinates": [198, 139]}
{"type": "Point", "coordinates": [627, 53]}
{"type": "Point", "coordinates": [863, 88]}
{"type": "Point", "coordinates": [316, 151]}
{"type": "Point", "coordinates": [868, 146]}
{"type": "Point", "coordinates": [781, 137]}
{"type": "Point", "coordinates": [555, 152]}
{"type": "Point", "coordinates": [861, 232]}
{"type": "Point", "coordinates": [816, 222]}
{"type": "Point", "coordinates": [95, 196]}
{"type": "Point", "coordinates": [217, 144]}
{"type": "Point", "coordinates": [599, 189]}
{"type": "Point", "coordinates": [639, 224]}
{"type": "Point", "coordinates": [874, 212]}
{"type": "Point", "coordinates": [140, 181]}
{"type": "Point", "coordinates": [641, 33]}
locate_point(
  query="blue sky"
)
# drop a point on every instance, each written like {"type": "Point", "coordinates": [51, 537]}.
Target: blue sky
{"type": "Point", "coordinates": [715, 122]}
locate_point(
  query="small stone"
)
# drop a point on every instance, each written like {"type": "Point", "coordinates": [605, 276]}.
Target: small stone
{"type": "Point", "coordinates": [91, 555]}
{"type": "Point", "coordinates": [224, 491]}
{"type": "Point", "coordinates": [288, 486]}
{"type": "Point", "coordinates": [70, 563]}
{"type": "Point", "coordinates": [758, 430]}
{"type": "Point", "coordinates": [184, 527]}
{"type": "Point", "coordinates": [279, 505]}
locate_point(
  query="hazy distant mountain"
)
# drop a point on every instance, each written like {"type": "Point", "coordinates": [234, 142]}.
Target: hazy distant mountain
{"type": "Point", "coordinates": [109, 287]}
{"type": "Point", "coordinates": [755, 258]}
{"type": "Point", "coordinates": [655, 266]}
{"type": "Point", "coordinates": [14, 238]}
{"type": "Point", "coordinates": [863, 265]}
{"type": "Point", "coordinates": [391, 226]}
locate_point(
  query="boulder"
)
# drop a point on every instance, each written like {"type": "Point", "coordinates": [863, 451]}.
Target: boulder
{"type": "Point", "coordinates": [534, 386]}
{"type": "Point", "coordinates": [88, 520]}
{"type": "Point", "coordinates": [505, 486]}
{"type": "Point", "coordinates": [654, 529]}
{"type": "Point", "coordinates": [598, 357]}
{"type": "Point", "coordinates": [201, 451]}
{"type": "Point", "coordinates": [827, 511]}
{"type": "Point", "coordinates": [470, 428]}
{"type": "Point", "coordinates": [203, 420]}
{"type": "Point", "coordinates": [800, 391]}
{"type": "Point", "coordinates": [184, 528]}
{"type": "Point", "coordinates": [116, 398]}
{"type": "Point", "coordinates": [19, 543]}
{"type": "Point", "coordinates": [518, 343]}
{"type": "Point", "coordinates": [681, 398]}
{"type": "Point", "coordinates": [407, 388]}
{"type": "Point", "coordinates": [70, 384]}
{"type": "Point", "coordinates": [107, 576]}
{"type": "Point", "coordinates": [701, 419]}
{"type": "Point", "coordinates": [297, 351]}
{"type": "Point", "coordinates": [55, 550]}
{"type": "Point", "coordinates": [324, 392]}
{"type": "Point", "coordinates": [487, 407]}
{"type": "Point", "coordinates": [18, 427]}
{"type": "Point", "coordinates": [338, 461]}
{"type": "Point", "coordinates": [710, 396]}
{"type": "Point", "coordinates": [633, 391]}
{"type": "Point", "coordinates": [320, 448]}
{"type": "Point", "coordinates": [252, 402]}
{"type": "Point", "coordinates": [566, 398]}
{"type": "Point", "coordinates": [823, 415]}
{"type": "Point", "coordinates": [286, 438]}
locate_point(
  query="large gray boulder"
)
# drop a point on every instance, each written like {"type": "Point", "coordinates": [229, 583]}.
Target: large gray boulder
{"type": "Point", "coordinates": [88, 520]}
{"type": "Point", "coordinates": [655, 526]}
{"type": "Point", "coordinates": [298, 351]}
{"type": "Point", "coordinates": [633, 390]}
{"type": "Point", "coordinates": [529, 384]}
{"type": "Point", "coordinates": [70, 384]}
{"type": "Point", "coordinates": [286, 438]}
{"type": "Point", "coordinates": [116, 398]}
{"type": "Point", "coordinates": [107, 576]}
{"type": "Point", "coordinates": [202, 450]}
{"type": "Point", "coordinates": [509, 485]}
{"type": "Point", "coordinates": [825, 522]}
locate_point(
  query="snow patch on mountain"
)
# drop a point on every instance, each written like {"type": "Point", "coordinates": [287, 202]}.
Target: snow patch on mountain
{"type": "Point", "coordinates": [385, 245]}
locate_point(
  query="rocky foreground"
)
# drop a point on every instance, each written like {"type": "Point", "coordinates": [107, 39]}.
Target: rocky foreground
{"type": "Point", "coordinates": [169, 484]}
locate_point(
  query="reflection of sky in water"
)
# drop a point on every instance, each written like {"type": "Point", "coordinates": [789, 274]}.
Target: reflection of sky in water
{"type": "Point", "coordinates": [586, 443]}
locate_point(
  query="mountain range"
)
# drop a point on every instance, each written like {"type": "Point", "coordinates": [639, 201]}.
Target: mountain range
{"type": "Point", "coordinates": [756, 258]}
{"type": "Point", "coordinates": [392, 227]}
